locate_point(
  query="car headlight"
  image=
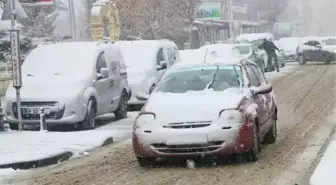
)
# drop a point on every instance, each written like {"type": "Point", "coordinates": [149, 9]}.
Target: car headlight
{"type": "Point", "coordinates": [144, 120]}
{"type": "Point", "coordinates": [334, 50]}
{"type": "Point", "coordinates": [231, 117]}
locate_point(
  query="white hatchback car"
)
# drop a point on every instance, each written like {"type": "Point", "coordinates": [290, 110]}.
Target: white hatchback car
{"type": "Point", "coordinates": [146, 61]}
{"type": "Point", "coordinates": [73, 82]}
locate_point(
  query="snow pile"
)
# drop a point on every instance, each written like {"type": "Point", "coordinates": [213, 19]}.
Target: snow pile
{"type": "Point", "coordinates": [28, 146]}
{"type": "Point", "coordinates": [324, 173]}
{"type": "Point", "coordinates": [6, 174]}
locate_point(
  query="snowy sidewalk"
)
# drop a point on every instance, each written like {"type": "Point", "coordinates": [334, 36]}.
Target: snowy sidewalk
{"type": "Point", "coordinates": [25, 148]}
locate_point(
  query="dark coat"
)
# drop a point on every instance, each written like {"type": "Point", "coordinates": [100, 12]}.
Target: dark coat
{"type": "Point", "coordinates": [268, 46]}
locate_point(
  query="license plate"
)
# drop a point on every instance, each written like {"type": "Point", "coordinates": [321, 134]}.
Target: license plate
{"type": "Point", "coordinates": [34, 111]}
{"type": "Point", "coordinates": [187, 139]}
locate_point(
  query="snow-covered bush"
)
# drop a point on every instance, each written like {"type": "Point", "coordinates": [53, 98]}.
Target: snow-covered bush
{"type": "Point", "coordinates": [25, 45]}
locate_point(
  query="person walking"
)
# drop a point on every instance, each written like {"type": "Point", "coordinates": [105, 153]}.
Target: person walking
{"type": "Point", "coordinates": [270, 48]}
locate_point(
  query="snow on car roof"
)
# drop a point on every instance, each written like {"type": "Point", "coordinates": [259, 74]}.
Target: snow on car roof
{"type": "Point", "coordinates": [310, 38]}
{"type": "Point", "coordinates": [193, 55]}
{"type": "Point", "coordinates": [218, 61]}
{"type": "Point", "coordinates": [254, 36]}
{"type": "Point", "coordinates": [242, 44]}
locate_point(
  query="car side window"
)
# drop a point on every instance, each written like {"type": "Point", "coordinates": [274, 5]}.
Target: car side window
{"type": "Point", "coordinates": [259, 74]}
{"type": "Point", "coordinates": [101, 62]}
{"type": "Point", "coordinates": [176, 55]}
{"type": "Point", "coordinates": [159, 56]}
{"type": "Point", "coordinates": [170, 54]}
{"type": "Point", "coordinates": [252, 76]}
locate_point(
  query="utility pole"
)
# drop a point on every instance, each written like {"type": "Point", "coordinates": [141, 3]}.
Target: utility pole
{"type": "Point", "coordinates": [16, 64]}
{"type": "Point", "coordinates": [72, 20]}
{"type": "Point", "coordinates": [231, 35]}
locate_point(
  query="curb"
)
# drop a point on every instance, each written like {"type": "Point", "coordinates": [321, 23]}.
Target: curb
{"type": "Point", "coordinates": [40, 162]}
{"type": "Point", "coordinates": [61, 157]}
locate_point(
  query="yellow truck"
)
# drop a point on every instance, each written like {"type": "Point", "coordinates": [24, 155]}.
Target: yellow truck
{"type": "Point", "coordinates": [105, 21]}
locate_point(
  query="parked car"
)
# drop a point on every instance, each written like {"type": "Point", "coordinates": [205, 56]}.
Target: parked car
{"type": "Point", "coordinates": [247, 51]}
{"type": "Point", "coordinates": [289, 45]}
{"type": "Point", "coordinates": [280, 54]}
{"type": "Point", "coordinates": [317, 49]}
{"type": "Point", "coordinates": [196, 56]}
{"type": "Point", "coordinates": [256, 39]}
{"type": "Point", "coordinates": [146, 62]}
{"type": "Point", "coordinates": [74, 82]}
{"type": "Point", "coordinates": [204, 110]}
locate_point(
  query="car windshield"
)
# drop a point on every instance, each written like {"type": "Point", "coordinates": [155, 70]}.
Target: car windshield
{"type": "Point", "coordinates": [186, 79]}
{"type": "Point", "coordinates": [329, 42]}
{"type": "Point", "coordinates": [243, 49]}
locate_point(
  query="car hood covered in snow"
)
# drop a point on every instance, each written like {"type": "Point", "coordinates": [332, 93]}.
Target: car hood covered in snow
{"type": "Point", "coordinates": [50, 88]}
{"type": "Point", "coordinates": [193, 105]}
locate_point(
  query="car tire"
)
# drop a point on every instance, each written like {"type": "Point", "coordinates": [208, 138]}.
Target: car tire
{"type": "Point", "coordinates": [328, 61]}
{"type": "Point", "coordinates": [145, 161]}
{"type": "Point", "coordinates": [13, 126]}
{"type": "Point", "coordinates": [89, 121]}
{"type": "Point", "coordinates": [301, 60]}
{"type": "Point", "coordinates": [121, 111]}
{"type": "Point", "coordinates": [283, 65]}
{"type": "Point", "coordinates": [272, 134]}
{"type": "Point", "coordinates": [253, 155]}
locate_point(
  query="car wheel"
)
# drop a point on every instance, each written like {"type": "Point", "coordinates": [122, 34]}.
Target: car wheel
{"type": "Point", "coordinates": [271, 135]}
{"type": "Point", "coordinates": [89, 121]}
{"type": "Point", "coordinates": [121, 112]}
{"type": "Point", "coordinates": [14, 126]}
{"type": "Point", "coordinates": [302, 61]}
{"type": "Point", "coordinates": [145, 161]}
{"type": "Point", "coordinates": [253, 155]}
{"type": "Point", "coordinates": [283, 64]}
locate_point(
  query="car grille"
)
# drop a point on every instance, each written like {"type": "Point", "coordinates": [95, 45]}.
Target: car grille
{"type": "Point", "coordinates": [186, 125]}
{"type": "Point", "coordinates": [56, 112]}
{"type": "Point", "coordinates": [192, 148]}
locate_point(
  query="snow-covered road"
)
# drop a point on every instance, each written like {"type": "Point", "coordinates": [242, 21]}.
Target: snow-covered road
{"type": "Point", "coordinates": [305, 96]}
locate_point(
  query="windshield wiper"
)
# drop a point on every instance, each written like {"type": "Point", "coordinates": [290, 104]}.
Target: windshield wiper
{"type": "Point", "coordinates": [239, 81]}
{"type": "Point", "coordinates": [30, 75]}
{"type": "Point", "coordinates": [214, 77]}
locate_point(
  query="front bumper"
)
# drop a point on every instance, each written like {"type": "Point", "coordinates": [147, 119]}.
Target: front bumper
{"type": "Point", "coordinates": [59, 113]}
{"type": "Point", "coordinates": [134, 101]}
{"type": "Point", "coordinates": [205, 141]}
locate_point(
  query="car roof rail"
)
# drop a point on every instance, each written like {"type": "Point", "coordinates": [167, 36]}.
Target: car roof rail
{"type": "Point", "coordinates": [106, 40]}
{"type": "Point", "coordinates": [48, 42]}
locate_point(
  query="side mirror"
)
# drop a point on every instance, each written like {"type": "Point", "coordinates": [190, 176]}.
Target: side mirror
{"type": "Point", "coordinates": [319, 46]}
{"type": "Point", "coordinates": [142, 96]}
{"type": "Point", "coordinates": [264, 89]}
{"type": "Point", "coordinates": [162, 66]}
{"type": "Point", "coordinates": [104, 73]}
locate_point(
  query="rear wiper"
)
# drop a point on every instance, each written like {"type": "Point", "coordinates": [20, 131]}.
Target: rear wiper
{"type": "Point", "coordinates": [30, 75]}
{"type": "Point", "coordinates": [214, 77]}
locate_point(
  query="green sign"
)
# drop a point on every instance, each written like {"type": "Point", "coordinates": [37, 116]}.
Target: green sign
{"type": "Point", "coordinates": [209, 11]}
